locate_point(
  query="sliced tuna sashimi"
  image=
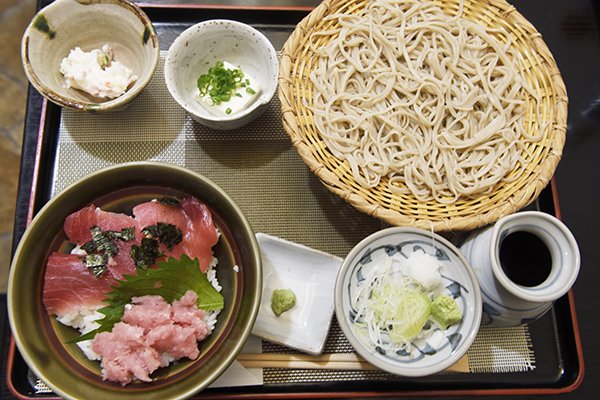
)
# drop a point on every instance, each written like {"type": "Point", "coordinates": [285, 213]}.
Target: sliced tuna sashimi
{"type": "Point", "coordinates": [194, 220]}
{"type": "Point", "coordinates": [77, 225]}
{"type": "Point", "coordinates": [201, 235]}
{"type": "Point", "coordinates": [153, 212]}
{"type": "Point", "coordinates": [122, 263]}
{"type": "Point", "coordinates": [70, 287]}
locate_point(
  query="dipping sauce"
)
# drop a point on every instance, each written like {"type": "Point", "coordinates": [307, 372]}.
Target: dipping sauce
{"type": "Point", "coordinates": [525, 258]}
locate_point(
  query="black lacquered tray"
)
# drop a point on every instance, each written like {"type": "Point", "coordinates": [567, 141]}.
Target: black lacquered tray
{"type": "Point", "coordinates": [555, 337]}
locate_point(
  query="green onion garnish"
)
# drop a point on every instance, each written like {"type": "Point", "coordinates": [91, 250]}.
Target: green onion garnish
{"type": "Point", "coordinates": [220, 83]}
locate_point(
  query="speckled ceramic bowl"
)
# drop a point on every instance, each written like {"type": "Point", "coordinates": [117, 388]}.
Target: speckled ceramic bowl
{"type": "Point", "coordinates": [42, 341]}
{"type": "Point", "coordinates": [200, 46]}
{"type": "Point", "coordinates": [89, 24]}
{"type": "Point", "coordinates": [444, 347]}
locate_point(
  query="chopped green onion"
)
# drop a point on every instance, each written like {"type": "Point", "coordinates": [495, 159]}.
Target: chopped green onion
{"type": "Point", "coordinates": [105, 61]}
{"type": "Point", "coordinates": [220, 83]}
{"type": "Point", "coordinates": [228, 111]}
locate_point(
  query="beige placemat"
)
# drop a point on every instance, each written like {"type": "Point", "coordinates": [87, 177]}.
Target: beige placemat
{"type": "Point", "coordinates": [260, 169]}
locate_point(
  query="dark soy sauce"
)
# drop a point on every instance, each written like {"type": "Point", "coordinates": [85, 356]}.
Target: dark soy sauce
{"type": "Point", "coordinates": [525, 259]}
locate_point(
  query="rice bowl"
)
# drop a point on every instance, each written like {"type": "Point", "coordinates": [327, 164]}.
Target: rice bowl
{"type": "Point", "coordinates": [45, 343]}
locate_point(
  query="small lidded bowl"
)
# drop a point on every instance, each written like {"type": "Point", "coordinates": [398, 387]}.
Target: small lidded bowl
{"type": "Point", "coordinates": [207, 56]}
{"type": "Point", "coordinates": [408, 301]}
{"type": "Point", "coordinates": [116, 32]}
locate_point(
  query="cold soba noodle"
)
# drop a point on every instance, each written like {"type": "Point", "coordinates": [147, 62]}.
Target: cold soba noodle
{"type": "Point", "coordinates": [433, 102]}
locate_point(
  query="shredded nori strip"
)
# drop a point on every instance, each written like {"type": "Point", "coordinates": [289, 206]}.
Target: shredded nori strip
{"type": "Point", "coordinates": [146, 254]}
{"type": "Point", "coordinates": [97, 263]}
{"type": "Point", "coordinates": [104, 241]}
{"type": "Point", "coordinates": [89, 247]}
{"type": "Point", "coordinates": [169, 201]}
{"type": "Point", "coordinates": [102, 247]}
{"type": "Point", "coordinates": [103, 244]}
{"type": "Point", "coordinates": [125, 234]}
{"type": "Point", "coordinates": [167, 234]}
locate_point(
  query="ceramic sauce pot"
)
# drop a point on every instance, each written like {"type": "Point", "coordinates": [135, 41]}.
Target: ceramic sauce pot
{"type": "Point", "coordinates": [523, 263]}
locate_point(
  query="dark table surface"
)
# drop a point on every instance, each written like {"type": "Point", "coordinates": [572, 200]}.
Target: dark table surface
{"type": "Point", "coordinates": [571, 31]}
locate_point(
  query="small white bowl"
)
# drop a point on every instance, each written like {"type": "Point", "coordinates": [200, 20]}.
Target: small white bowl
{"type": "Point", "coordinates": [199, 47]}
{"type": "Point", "coordinates": [444, 347]}
{"type": "Point", "coordinates": [65, 24]}
{"type": "Point", "coordinates": [310, 274]}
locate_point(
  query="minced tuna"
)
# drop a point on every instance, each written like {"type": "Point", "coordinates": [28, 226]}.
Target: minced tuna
{"type": "Point", "coordinates": [151, 334]}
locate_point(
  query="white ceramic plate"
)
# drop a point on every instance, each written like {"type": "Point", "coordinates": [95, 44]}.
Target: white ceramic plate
{"type": "Point", "coordinates": [311, 275]}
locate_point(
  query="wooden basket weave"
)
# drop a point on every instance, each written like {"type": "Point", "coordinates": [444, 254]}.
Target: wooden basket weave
{"type": "Point", "coordinates": [532, 175]}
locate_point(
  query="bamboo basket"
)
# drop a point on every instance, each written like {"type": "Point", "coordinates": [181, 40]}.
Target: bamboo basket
{"type": "Point", "coordinates": [528, 177]}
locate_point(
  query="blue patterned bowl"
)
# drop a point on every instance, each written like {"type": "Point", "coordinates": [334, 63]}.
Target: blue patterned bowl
{"type": "Point", "coordinates": [427, 354]}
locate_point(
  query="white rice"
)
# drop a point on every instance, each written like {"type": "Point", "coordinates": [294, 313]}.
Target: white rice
{"type": "Point", "coordinates": [83, 320]}
{"type": "Point", "coordinates": [211, 274]}
{"type": "Point", "coordinates": [210, 317]}
{"type": "Point", "coordinates": [77, 250]}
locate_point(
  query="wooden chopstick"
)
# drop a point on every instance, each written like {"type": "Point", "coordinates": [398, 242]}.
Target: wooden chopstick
{"type": "Point", "coordinates": [328, 357]}
{"type": "Point", "coordinates": [354, 366]}
{"type": "Point", "coordinates": [345, 361]}
{"type": "Point", "coordinates": [342, 361]}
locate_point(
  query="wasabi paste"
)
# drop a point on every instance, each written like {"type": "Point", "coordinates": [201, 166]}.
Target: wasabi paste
{"type": "Point", "coordinates": [445, 311]}
{"type": "Point", "coordinates": [282, 300]}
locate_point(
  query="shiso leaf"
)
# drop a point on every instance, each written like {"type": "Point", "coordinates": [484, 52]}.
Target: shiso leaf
{"type": "Point", "coordinates": [170, 279]}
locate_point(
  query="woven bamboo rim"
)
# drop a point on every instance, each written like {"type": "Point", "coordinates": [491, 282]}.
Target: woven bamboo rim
{"type": "Point", "coordinates": [539, 69]}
